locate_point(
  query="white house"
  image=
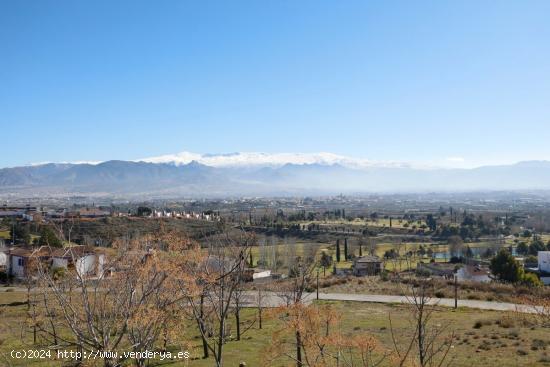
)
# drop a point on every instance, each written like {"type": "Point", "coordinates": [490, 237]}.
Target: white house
{"type": "Point", "coordinates": [4, 259]}
{"type": "Point", "coordinates": [85, 260]}
{"type": "Point", "coordinates": [474, 274]}
{"type": "Point", "coordinates": [259, 274]}
{"type": "Point", "coordinates": [21, 258]}
{"type": "Point", "coordinates": [544, 261]}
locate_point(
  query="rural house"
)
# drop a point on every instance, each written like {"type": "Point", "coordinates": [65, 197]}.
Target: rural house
{"type": "Point", "coordinates": [23, 261]}
{"type": "Point", "coordinates": [367, 265]}
{"type": "Point", "coordinates": [85, 260]}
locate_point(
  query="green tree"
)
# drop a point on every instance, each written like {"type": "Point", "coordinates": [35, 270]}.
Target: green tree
{"type": "Point", "coordinates": [144, 211]}
{"type": "Point", "coordinates": [346, 249]}
{"type": "Point", "coordinates": [522, 248]}
{"type": "Point", "coordinates": [535, 247]}
{"type": "Point", "coordinates": [338, 250]}
{"type": "Point", "coordinates": [49, 238]}
{"type": "Point", "coordinates": [431, 222]}
{"type": "Point", "coordinates": [20, 234]}
{"type": "Point", "coordinates": [505, 267]}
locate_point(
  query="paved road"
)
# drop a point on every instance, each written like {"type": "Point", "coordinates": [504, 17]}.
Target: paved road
{"type": "Point", "coordinates": [272, 299]}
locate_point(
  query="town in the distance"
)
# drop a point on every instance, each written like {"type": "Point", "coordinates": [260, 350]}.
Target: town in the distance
{"type": "Point", "coordinates": [474, 267]}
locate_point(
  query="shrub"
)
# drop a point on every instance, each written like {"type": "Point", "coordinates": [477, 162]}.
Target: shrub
{"type": "Point", "coordinates": [506, 323]}
{"type": "Point", "coordinates": [531, 280]}
{"type": "Point", "coordinates": [479, 323]}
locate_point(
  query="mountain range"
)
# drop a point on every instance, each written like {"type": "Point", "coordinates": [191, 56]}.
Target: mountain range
{"type": "Point", "coordinates": [260, 174]}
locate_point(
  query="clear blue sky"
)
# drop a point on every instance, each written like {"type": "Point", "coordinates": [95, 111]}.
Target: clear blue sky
{"type": "Point", "coordinates": [386, 80]}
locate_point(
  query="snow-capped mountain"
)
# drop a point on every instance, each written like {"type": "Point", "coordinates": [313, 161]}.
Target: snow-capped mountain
{"type": "Point", "coordinates": [260, 174]}
{"type": "Point", "coordinates": [256, 159]}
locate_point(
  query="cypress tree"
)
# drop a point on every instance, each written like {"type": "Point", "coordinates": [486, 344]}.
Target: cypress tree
{"type": "Point", "coordinates": [346, 249]}
{"type": "Point", "coordinates": [338, 250]}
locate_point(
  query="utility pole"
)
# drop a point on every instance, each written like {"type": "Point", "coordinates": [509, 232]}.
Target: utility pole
{"type": "Point", "coordinates": [456, 291]}
{"type": "Point", "coordinates": [317, 284]}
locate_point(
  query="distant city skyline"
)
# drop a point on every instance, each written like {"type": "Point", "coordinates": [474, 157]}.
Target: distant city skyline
{"type": "Point", "coordinates": [449, 84]}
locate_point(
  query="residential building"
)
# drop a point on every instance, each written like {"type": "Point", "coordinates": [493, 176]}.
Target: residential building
{"type": "Point", "coordinates": [367, 265]}
{"type": "Point", "coordinates": [544, 261]}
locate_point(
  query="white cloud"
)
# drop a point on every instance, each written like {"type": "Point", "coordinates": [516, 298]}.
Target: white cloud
{"type": "Point", "coordinates": [456, 159]}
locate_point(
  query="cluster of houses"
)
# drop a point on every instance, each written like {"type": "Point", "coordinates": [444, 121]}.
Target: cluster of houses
{"type": "Point", "coordinates": [185, 215]}
{"type": "Point", "coordinates": [37, 214]}
{"type": "Point", "coordinates": [21, 262]}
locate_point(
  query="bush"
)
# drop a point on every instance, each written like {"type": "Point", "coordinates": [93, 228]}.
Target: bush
{"type": "Point", "coordinates": [5, 277]}
{"type": "Point", "coordinates": [506, 322]}
{"type": "Point", "coordinates": [424, 273]}
{"type": "Point", "coordinates": [58, 273]}
{"type": "Point", "coordinates": [531, 280]}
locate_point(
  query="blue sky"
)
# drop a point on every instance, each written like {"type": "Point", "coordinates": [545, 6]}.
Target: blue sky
{"type": "Point", "coordinates": [420, 81]}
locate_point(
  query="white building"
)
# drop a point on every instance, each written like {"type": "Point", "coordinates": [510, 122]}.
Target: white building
{"type": "Point", "coordinates": [4, 260]}
{"type": "Point", "coordinates": [544, 261]}
{"type": "Point", "coordinates": [23, 261]}
{"type": "Point", "coordinates": [473, 274]}
{"type": "Point", "coordinates": [85, 260]}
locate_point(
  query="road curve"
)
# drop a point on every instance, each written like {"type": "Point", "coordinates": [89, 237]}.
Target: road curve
{"type": "Point", "coordinates": [272, 299]}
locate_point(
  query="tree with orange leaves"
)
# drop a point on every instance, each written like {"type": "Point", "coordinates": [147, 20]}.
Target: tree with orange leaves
{"type": "Point", "coordinates": [127, 305]}
{"type": "Point", "coordinates": [322, 342]}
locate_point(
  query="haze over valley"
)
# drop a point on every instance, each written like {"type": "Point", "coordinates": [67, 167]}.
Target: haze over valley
{"type": "Point", "coordinates": [259, 174]}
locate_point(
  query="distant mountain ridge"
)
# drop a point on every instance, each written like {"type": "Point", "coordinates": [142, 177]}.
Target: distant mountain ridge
{"type": "Point", "coordinates": [195, 179]}
{"type": "Point", "coordinates": [257, 159]}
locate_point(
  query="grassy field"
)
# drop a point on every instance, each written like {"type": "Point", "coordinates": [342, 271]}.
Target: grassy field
{"type": "Point", "coordinates": [380, 222]}
{"type": "Point", "coordinates": [483, 338]}
{"type": "Point", "coordinates": [441, 288]}
{"type": "Point", "coordinates": [302, 249]}
{"type": "Point", "coordinates": [5, 234]}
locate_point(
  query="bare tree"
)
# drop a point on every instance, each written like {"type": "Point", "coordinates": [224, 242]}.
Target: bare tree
{"type": "Point", "coordinates": [292, 293]}
{"type": "Point", "coordinates": [429, 344]}
{"type": "Point", "coordinates": [210, 286]}
{"type": "Point", "coordinates": [455, 245]}
{"type": "Point", "coordinates": [101, 312]}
